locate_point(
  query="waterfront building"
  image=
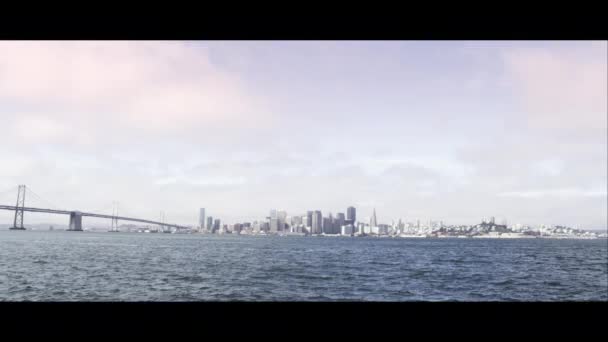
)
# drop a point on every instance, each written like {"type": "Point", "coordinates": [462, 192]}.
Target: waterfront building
{"type": "Point", "coordinates": [296, 220]}
{"type": "Point", "coordinates": [210, 223]}
{"type": "Point", "coordinates": [327, 225]}
{"type": "Point", "coordinates": [346, 230]}
{"type": "Point", "coordinates": [281, 220]}
{"type": "Point", "coordinates": [317, 222]}
{"type": "Point", "coordinates": [340, 221]}
{"type": "Point", "coordinates": [201, 218]}
{"type": "Point", "coordinates": [274, 224]}
{"type": "Point", "coordinates": [309, 219]}
{"type": "Point", "coordinates": [373, 221]}
{"type": "Point", "coordinates": [351, 214]}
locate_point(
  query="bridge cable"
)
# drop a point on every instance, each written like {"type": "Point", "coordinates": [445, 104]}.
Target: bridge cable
{"type": "Point", "coordinates": [54, 206]}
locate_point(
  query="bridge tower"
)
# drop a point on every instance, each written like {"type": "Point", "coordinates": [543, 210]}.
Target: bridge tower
{"type": "Point", "coordinates": [75, 221]}
{"type": "Point", "coordinates": [18, 222]}
{"type": "Point", "coordinates": [114, 217]}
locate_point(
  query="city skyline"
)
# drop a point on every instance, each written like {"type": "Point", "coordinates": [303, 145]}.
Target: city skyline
{"type": "Point", "coordinates": [448, 130]}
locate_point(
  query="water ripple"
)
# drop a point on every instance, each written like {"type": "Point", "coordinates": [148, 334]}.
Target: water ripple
{"type": "Point", "coordinates": [63, 266]}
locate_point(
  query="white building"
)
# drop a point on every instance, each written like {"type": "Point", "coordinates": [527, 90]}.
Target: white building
{"type": "Point", "coordinates": [347, 230]}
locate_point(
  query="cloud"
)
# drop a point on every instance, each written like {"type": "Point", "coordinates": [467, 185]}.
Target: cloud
{"type": "Point", "coordinates": [564, 193]}
{"type": "Point", "coordinates": [515, 130]}
{"type": "Point", "coordinates": [35, 129]}
{"type": "Point", "coordinates": [121, 89]}
{"type": "Point", "coordinates": [561, 88]}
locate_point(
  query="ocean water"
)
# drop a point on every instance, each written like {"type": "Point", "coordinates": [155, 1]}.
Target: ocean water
{"type": "Point", "coordinates": [88, 266]}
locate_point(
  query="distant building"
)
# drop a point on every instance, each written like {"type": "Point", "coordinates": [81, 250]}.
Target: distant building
{"type": "Point", "coordinates": [351, 214]}
{"type": "Point", "coordinates": [210, 223]}
{"type": "Point", "coordinates": [296, 220]}
{"type": "Point", "coordinates": [306, 222]}
{"type": "Point", "coordinates": [373, 222]}
{"type": "Point", "coordinates": [282, 219]}
{"type": "Point", "coordinates": [309, 219]}
{"type": "Point", "coordinates": [216, 225]}
{"type": "Point", "coordinates": [274, 224]}
{"type": "Point", "coordinates": [327, 225]}
{"type": "Point", "coordinates": [264, 226]}
{"type": "Point", "coordinates": [346, 230]}
{"type": "Point", "coordinates": [317, 222]}
{"type": "Point", "coordinates": [201, 218]}
{"type": "Point", "coordinates": [340, 221]}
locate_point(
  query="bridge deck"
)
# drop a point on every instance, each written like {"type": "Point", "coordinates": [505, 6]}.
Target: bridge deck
{"type": "Point", "coordinates": [68, 212]}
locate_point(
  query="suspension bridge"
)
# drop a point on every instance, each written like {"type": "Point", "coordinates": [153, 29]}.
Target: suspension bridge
{"type": "Point", "coordinates": [75, 216]}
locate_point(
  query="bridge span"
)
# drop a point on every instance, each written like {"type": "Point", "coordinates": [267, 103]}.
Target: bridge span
{"type": "Point", "coordinates": [75, 216]}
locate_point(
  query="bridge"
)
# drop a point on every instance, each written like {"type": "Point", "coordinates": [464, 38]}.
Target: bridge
{"type": "Point", "coordinates": [75, 216]}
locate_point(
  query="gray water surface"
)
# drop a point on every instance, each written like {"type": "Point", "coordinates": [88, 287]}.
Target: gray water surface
{"type": "Point", "coordinates": [88, 266]}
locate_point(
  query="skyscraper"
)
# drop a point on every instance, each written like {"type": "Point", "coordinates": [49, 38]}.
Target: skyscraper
{"type": "Point", "coordinates": [210, 223]}
{"type": "Point", "coordinates": [327, 227]}
{"type": "Point", "coordinates": [309, 219]}
{"type": "Point", "coordinates": [282, 219]}
{"type": "Point", "coordinates": [317, 222]}
{"type": "Point", "coordinates": [274, 225]}
{"type": "Point", "coordinates": [351, 214]}
{"type": "Point", "coordinates": [373, 222]}
{"type": "Point", "coordinates": [340, 221]}
{"type": "Point", "coordinates": [201, 218]}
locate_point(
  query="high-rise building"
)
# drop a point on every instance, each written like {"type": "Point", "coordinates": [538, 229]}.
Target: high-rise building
{"type": "Point", "coordinates": [373, 222]}
{"type": "Point", "coordinates": [273, 213]}
{"type": "Point", "coordinates": [309, 219]}
{"type": "Point", "coordinates": [340, 221]}
{"type": "Point", "coordinates": [351, 214]}
{"type": "Point", "coordinates": [317, 222]}
{"type": "Point", "coordinates": [210, 223]}
{"type": "Point", "coordinates": [296, 220]}
{"type": "Point", "coordinates": [282, 219]}
{"type": "Point", "coordinates": [216, 224]}
{"type": "Point", "coordinates": [201, 218]}
{"type": "Point", "coordinates": [327, 227]}
{"type": "Point", "coordinates": [274, 225]}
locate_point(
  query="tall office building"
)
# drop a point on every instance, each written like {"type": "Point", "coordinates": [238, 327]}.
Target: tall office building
{"type": "Point", "coordinates": [340, 221]}
{"type": "Point", "coordinates": [273, 213]}
{"type": "Point", "coordinates": [216, 224]}
{"type": "Point", "coordinates": [351, 214]}
{"type": "Point", "coordinates": [282, 219]}
{"type": "Point", "coordinates": [309, 219]}
{"type": "Point", "coordinates": [274, 225]}
{"type": "Point", "coordinates": [373, 222]}
{"type": "Point", "coordinates": [210, 223]}
{"type": "Point", "coordinates": [327, 225]}
{"type": "Point", "coordinates": [201, 219]}
{"type": "Point", "coordinates": [296, 220]}
{"type": "Point", "coordinates": [317, 222]}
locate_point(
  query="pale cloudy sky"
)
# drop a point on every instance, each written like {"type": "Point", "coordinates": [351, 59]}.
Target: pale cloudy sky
{"type": "Point", "coordinates": [444, 130]}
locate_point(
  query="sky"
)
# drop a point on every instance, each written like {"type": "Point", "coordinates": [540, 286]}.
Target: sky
{"type": "Point", "coordinates": [444, 130]}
